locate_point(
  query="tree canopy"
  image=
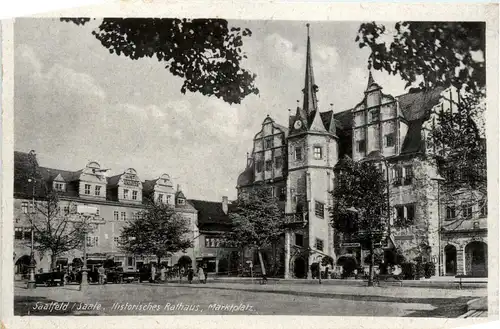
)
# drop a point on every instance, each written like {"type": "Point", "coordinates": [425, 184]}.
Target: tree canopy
{"type": "Point", "coordinates": [429, 54]}
{"type": "Point", "coordinates": [206, 53]}
{"type": "Point", "coordinates": [257, 220]}
{"type": "Point", "coordinates": [158, 230]}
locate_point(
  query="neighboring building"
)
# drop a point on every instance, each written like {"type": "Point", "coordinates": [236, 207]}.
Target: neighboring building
{"type": "Point", "coordinates": [298, 162]}
{"type": "Point", "coordinates": [116, 200]}
{"type": "Point", "coordinates": [213, 222]}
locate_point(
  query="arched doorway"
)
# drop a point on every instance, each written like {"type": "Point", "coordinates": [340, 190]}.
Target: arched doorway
{"type": "Point", "coordinates": [476, 259]}
{"type": "Point", "coordinates": [22, 265]}
{"type": "Point", "coordinates": [299, 268]}
{"type": "Point", "coordinates": [450, 255]}
{"type": "Point", "coordinates": [185, 262]}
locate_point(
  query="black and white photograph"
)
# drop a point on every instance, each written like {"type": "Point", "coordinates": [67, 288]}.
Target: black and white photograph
{"type": "Point", "coordinates": [167, 166]}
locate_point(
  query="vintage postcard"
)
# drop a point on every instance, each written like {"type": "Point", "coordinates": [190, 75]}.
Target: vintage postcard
{"type": "Point", "coordinates": [210, 164]}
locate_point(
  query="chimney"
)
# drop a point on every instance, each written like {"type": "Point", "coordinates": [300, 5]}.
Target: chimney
{"type": "Point", "coordinates": [224, 204]}
{"type": "Point", "coordinates": [178, 187]}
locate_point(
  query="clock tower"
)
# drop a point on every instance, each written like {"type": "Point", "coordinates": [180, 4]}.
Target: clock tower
{"type": "Point", "coordinates": [312, 153]}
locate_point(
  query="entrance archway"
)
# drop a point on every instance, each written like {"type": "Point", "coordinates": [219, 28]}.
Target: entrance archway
{"type": "Point", "coordinates": [22, 265]}
{"type": "Point", "coordinates": [450, 254]}
{"type": "Point", "coordinates": [299, 268]}
{"type": "Point", "coordinates": [184, 262]}
{"type": "Point", "coordinates": [476, 259]}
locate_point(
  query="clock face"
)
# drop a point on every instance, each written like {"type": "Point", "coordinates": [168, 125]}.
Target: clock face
{"type": "Point", "coordinates": [298, 124]}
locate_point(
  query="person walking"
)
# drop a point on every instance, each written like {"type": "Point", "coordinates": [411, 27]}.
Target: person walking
{"type": "Point", "coordinates": [201, 275]}
{"type": "Point", "coordinates": [153, 273]}
{"type": "Point", "coordinates": [163, 273]}
{"type": "Point", "coordinates": [190, 275]}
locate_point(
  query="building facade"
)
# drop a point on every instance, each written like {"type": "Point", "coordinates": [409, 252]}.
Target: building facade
{"type": "Point", "coordinates": [115, 200]}
{"type": "Point", "coordinates": [298, 161]}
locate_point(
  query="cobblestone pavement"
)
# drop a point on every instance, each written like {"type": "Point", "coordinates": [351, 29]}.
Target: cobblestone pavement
{"type": "Point", "coordinates": [225, 298]}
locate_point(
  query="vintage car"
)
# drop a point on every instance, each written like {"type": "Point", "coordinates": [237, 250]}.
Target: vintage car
{"type": "Point", "coordinates": [114, 275]}
{"type": "Point", "coordinates": [50, 279]}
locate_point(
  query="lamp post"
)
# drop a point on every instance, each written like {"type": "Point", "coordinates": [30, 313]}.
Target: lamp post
{"type": "Point", "coordinates": [32, 265]}
{"type": "Point", "coordinates": [86, 218]}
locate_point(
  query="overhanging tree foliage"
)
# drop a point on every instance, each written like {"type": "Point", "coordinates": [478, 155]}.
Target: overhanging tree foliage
{"type": "Point", "coordinates": [258, 222]}
{"type": "Point", "coordinates": [159, 230]}
{"type": "Point", "coordinates": [360, 206]}
{"type": "Point", "coordinates": [429, 54]}
{"type": "Point", "coordinates": [206, 53]}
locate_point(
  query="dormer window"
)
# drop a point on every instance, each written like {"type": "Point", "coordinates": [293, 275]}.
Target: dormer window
{"type": "Point", "coordinates": [134, 195]}
{"type": "Point", "coordinates": [97, 190]}
{"type": "Point", "coordinates": [59, 186]}
{"type": "Point", "coordinates": [160, 198]}
{"type": "Point", "coordinates": [181, 201]}
{"type": "Point", "coordinates": [87, 189]}
{"type": "Point", "coordinates": [125, 194]}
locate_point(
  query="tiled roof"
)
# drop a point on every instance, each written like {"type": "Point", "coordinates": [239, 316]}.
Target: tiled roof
{"type": "Point", "coordinates": [209, 213]}
{"type": "Point", "coordinates": [413, 142]}
{"type": "Point", "coordinates": [113, 180]}
{"type": "Point", "coordinates": [246, 177]}
{"type": "Point", "coordinates": [417, 105]}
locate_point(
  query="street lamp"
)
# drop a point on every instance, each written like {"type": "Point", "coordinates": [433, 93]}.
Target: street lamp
{"type": "Point", "coordinates": [87, 218]}
{"type": "Point", "coordinates": [32, 265]}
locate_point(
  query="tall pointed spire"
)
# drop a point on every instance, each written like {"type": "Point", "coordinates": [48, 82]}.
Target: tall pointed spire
{"type": "Point", "coordinates": [310, 101]}
{"type": "Point", "coordinates": [372, 85]}
{"type": "Point", "coordinates": [370, 80]}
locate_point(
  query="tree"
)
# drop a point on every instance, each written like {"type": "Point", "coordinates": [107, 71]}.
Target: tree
{"type": "Point", "coordinates": [360, 206]}
{"type": "Point", "coordinates": [206, 53]}
{"type": "Point", "coordinates": [429, 54]}
{"type": "Point", "coordinates": [54, 230]}
{"type": "Point", "coordinates": [257, 221]}
{"type": "Point", "coordinates": [158, 230]}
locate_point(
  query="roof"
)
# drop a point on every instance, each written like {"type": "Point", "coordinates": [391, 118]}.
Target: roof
{"type": "Point", "coordinates": [417, 105]}
{"type": "Point", "coordinates": [344, 119]}
{"type": "Point", "coordinates": [113, 180]}
{"type": "Point", "coordinates": [246, 177]}
{"type": "Point", "coordinates": [413, 142]}
{"type": "Point", "coordinates": [209, 213]}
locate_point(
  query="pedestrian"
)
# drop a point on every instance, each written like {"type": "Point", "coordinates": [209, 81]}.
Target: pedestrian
{"type": "Point", "coordinates": [201, 275]}
{"type": "Point", "coordinates": [163, 272]}
{"type": "Point", "coordinates": [101, 272]}
{"type": "Point", "coordinates": [190, 275]}
{"type": "Point", "coordinates": [153, 273]}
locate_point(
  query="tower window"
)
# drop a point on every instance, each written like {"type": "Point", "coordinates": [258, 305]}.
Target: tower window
{"type": "Point", "coordinates": [319, 209]}
{"type": "Point", "coordinates": [375, 115]}
{"type": "Point", "coordinates": [319, 244]}
{"type": "Point", "coordinates": [259, 166]}
{"type": "Point", "coordinates": [269, 143]}
{"type": "Point", "coordinates": [299, 240]}
{"type": "Point", "coordinates": [269, 165]}
{"type": "Point", "coordinates": [361, 146]}
{"type": "Point", "coordinates": [318, 152]}
{"type": "Point", "coordinates": [298, 153]}
{"type": "Point", "coordinates": [408, 175]}
{"type": "Point", "coordinates": [389, 140]}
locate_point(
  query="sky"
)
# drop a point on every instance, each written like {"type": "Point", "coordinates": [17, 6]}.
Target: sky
{"type": "Point", "coordinates": [75, 102]}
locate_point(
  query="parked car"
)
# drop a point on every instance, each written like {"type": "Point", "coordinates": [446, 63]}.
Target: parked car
{"type": "Point", "coordinates": [114, 275]}
{"type": "Point", "coordinates": [50, 279]}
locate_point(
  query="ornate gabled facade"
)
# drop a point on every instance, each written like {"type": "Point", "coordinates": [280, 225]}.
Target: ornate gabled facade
{"type": "Point", "coordinates": [390, 131]}
{"type": "Point", "coordinates": [116, 200]}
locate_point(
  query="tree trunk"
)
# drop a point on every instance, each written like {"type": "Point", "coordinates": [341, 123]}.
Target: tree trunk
{"type": "Point", "coordinates": [53, 259]}
{"type": "Point", "coordinates": [262, 263]}
{"type": "Point", "coordinates": [372, 262]}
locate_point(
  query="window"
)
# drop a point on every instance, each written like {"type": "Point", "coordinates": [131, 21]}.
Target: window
{"type": "Point", "coordinates": [319, 209]}
{"type": "Point", "coordinates": [160, 198]}
{"type": "Point", "coordinates": [24, 207]}
{"type": "Point", "coordinates": [87, 189]}
{"type": "Point", "coordinates": [278, 162]}
{"type": "Point", "coordinates": [18, 233]}
{"type": "Point", "coordinates": [410, 213]}
{"type": "Point", "coordinates": [115, 215]}
{"type": "Point", "coordinates": [66, 210]}
{"type": "Point", "coordinates": [169, 199]}
{"type": "Point", "coordinates": [211, 242]}
{"type": "Point", "coordinates": [405, 214]}
{"type": "Point", "coordinates": [92, 241]}
{"type": "Point", "coordinates": [58, 186]}
{"type": "Point", "coordinates": [398, 175]}
{"type": "Point", "coordinates": [299, 240]}
{"type": "Point", "coordinates": [181, 201]}
{"type": "Point", "coordinates": [269, 143]}
{"type": "Point", "coordinates": [450, 212]}
{"type": "Point", "coordinates": [484, 209]}
{"type": "Point", "coordinates": [467, 211]}
{"type": "Point", "coordinates": [134, 195]}
{"type": "Point", "coordinates": [125, 194]}
{"type": "Point", "coordinates": [298, 153]}
{"type": "Point", "coordinates": [124, 215]}
{"type": "Point", "coordinates": [374, 115]}
{"type": "Point", "coordinates": [389, 140]}
{"type": "Point", "coordinates": [361, 146]}
{"type": "Point", "coordinates": [319, 244]}
{"type": "Point", "coordinates": [260, 165]}
{"type": "Point", "coordinates": [282, 195]}
{"type": "Point", "coordinates": [130, 261]}
{"type": "Point", "coordinates": [269, 165]}
{"type": "Point", "coordinates": [318, 152]}
{"type": "Point", "coordinates": [400, 212]}
{"type": "Point", "coordinates": [116, 240]}
{"type": "Point", "coordinates": [408, 175]}
{"type": "Point", "coordinates": [97, 190]}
